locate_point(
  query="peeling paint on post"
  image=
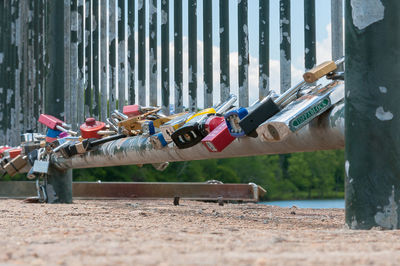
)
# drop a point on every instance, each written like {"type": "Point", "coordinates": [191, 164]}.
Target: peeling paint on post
{"type": "Point", "coordinates": [263, 85]}
{"type": "Point", "coordinates": [192, 13]}
{"type": "Point", "coordinates": [131, 52]}
{"type": "Point", "coordinates": [337, 30]}
{"type": "Point", "coordinates": [18, 115]}
{"type": "Point", "coordinates": [309, 34]}
{"type": "Point", "coordinates": [3, 55]}
{"type": "Point", "coordinates": [178, 58]}
{"type": "Point", "coordinates": [67, 57]}
{"type": "Point", "coordinates": [55, 48]}
{"type": "Point", "coordinates": [96, 58]}
{"type": "Point", "coordinates": [104, 58]}
{"type": "Point", "coordinates": [224, 49]}
{"type": "Point", "coordinates": [243, 39]}
{"type": "Point", "coordinates": [285, 53]}
{"type": "Point", "coordinates": [112, 38]}
{"type": "Point", "coordinates": [372, 183]}
{"type": "Point", "coordinates": [88, 58]}
{"type": "Point", "coordinates": [74, 68]}
{"type": "Point", "coordinates": [165, 56]}
{"type": "Point", "coordinates": [153, 84]}
{"type": "Point", "coordinates": [121, 54]}
{"type": "Point", "coordinates": [207, 53]}
{"type": "Point", "coordinates": [31, 66]}
{"type": "Point", "coordinates": [142, 51]}
{"type": "Point", "coordinates": [81, 62]}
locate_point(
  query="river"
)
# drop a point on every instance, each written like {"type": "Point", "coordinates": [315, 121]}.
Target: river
{"type": "Point", "coordinates": [313, 204]}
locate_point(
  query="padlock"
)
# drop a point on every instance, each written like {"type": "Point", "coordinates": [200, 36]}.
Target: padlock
{"type": "Point", "coordinates": [160, 166]}
{"type": "Point", "coordinates": [132, 110]}
{"type": "Point", "coordinates": [192, 131]}
{"type": "Point", "coordinates": [211, 123]}
{"type": "Point", "coordinates": [300, 112]}
{"type": "Point", "coordinates": [53, 133]}
{"type": "Point", "coordinates": [218, 139]}
{"type": "Point", "coordinates": [3, 149]}
{"type": "Point", "coordinates": [321, 70]}
{"type": "Point", "coordinates": [32, 137]}
{"type": "Point", "coordinates": [157, 141]}
{"type": "Point", "coordinates": [55, 123]}
{"type": "Point", "coordinates": [15, 165]}
{"type": "Point", "coordinates": [14, 152]}
{"type": "Point", "coordinates": [169, 127]}
{"type": "Point", "coordinates": [232, 119]}
{"type": "Point", "coordinates": [41, 167]}
{"type": "Point", "coordinates": [148, 128]}
{"type": "Point", "coordinates": [133, 125]}
{"type": "Point", "coordinates": [91, 127]}
{"type": "Point", "coordinates": [63, 135]}
{"type": "Point", "coordinates": [27, 147]}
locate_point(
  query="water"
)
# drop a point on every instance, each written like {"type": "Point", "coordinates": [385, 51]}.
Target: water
{"type": "Point", "coordinates": [312, 204]}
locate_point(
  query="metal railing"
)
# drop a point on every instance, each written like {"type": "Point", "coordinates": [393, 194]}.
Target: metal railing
{"type": "Point", "coordinates": [76, 58]}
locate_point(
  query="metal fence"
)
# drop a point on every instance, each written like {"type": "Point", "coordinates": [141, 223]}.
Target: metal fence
{"type": "Point", "coordinates": [77, 58]}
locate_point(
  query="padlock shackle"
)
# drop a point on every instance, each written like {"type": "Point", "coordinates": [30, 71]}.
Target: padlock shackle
{"type": "Point", "coordinates": [223, 107]}
{"type": "Point", "coordinates": [293, 90]}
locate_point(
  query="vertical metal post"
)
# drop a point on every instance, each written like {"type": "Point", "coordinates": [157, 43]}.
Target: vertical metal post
{"type": "Point", "coordinates": [104, 57]}
{"type": "Point", "coordinates": [131, 52]}
{"type": "Point", "coordinates": [67, 56]}
{"type": "Point", "coordinates": [81, 61]}
{"type": "Point", "coordinates": [337, 29]}
{"type": "Point", "coordinates": [165, 56]}
{"type": "Point", "coordinates": [61, 182]}
{"type": "Point", "coordinates": [224, 49]}
{"type": "Point", "coordinates": [243, 46]}
{"type": "Point", "coordinates": [142, 52]}
{"type": "Point", "coordinates": [153, 51]}
{"type": "Point", "coordinates": [192, 14]}
{"type": "Point", "coordinates": [30, 62]}
{"type": "Point", "coordinates": [88, 57]}
{"type": "Point", "coordinates": [18, 116]}
{"type": "Point", "coordinates": [121, 55]}
{"type": "Point", "coordinates": [24, 58]}
{"type": "Point", "coordinates": [309, 34]}
{"type": "Point", "coordinates": [74, 69]}
{"type": "Point", "coordinates": [178, 59]}
{"type": "Point", "coordinates": [371, 114]}
{"type": "Point", "coordinates": [112, 39]}
{"type": "Point", "coordinates": [96, 58]}
{"type": "Point", "coordinates": [263, 86]}
{"type": "Point", "coordinates": [13, 134]}
{"type": "Point", "coordinates": [207, 53]}
{"type": "Point", "coordinates": [55, 48]}
{"type": "Point", "coordinates": [3, 57]}
{"type": "Point", "coordinates": [285, 56]}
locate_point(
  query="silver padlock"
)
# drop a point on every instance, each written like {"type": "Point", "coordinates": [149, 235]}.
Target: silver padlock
{"type": "Point", "coordinates": [300, 112]}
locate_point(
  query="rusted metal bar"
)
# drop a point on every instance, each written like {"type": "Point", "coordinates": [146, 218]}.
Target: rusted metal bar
{"type": "Point", "coordinates": [325, 132]}
{"type": "Point", "coordinates": [178, 57]}
{"type": "Point", "coordinates": [131, 52]}
{"type": "Point", "coordinates": [207, 53]}
{"type": "Point", "coordinates": [153, 83]}
{"type": "Point", "coordinates": [121, 54]}
{"type": "Point", "coordinates": [143, 190]}
{"type": "Point", "coordinates": [192, 14]}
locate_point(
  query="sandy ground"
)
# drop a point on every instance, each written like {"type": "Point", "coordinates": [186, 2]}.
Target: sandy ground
{"type": "Point", "coordinates": [123, 232]}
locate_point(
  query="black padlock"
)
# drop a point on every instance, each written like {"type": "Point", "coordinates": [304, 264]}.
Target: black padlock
{"type": "Point", "coordinates": [267, 108]}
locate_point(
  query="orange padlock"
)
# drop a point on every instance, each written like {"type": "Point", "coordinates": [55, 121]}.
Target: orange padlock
{"type": "Point", "coordinates": [91, 127]}
{"type": "Point", "coordinates": [14, 152]}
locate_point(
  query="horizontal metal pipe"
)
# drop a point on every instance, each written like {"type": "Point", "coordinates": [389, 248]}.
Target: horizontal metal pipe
{"type": "Point", "coordinates": [323, 133]}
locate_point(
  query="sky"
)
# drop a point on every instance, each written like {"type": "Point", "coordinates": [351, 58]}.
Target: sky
{"type": "Point", "coordinates": [297, 40]}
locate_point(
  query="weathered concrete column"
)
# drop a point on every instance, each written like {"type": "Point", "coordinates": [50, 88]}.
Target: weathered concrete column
{"type": "Point", "coordinates": [372, 113]}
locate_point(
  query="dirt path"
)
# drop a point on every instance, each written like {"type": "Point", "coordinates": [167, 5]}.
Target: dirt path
{"type": "Point", "coordinates": [194, 233]}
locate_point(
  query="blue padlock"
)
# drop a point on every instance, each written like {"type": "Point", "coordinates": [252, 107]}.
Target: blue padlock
{"type": "Point", "coordinates": [158, 141]}
{"type": "Point", "coordinates": [148, 128]}
{"type": "Point", "coordinates": [232, 119]}
{"type": "Point", "coordinates": [52, 133]}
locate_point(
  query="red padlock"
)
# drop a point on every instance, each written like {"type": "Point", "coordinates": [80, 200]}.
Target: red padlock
{"type": "Point", "coordinates": [91, 127]}
{"type": "Point", "coordinates": [14, 152]}
{"type": "Point", "coordinates": [3, 149]}
{"type": "Point", "coordinates": [212, 122]}
{"type": "Point", "coordinates": [218, 139]}
{"type": "Point", "coordinates": [132, 110]}
{"type": "Point", "coordinates": [50, 121]}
